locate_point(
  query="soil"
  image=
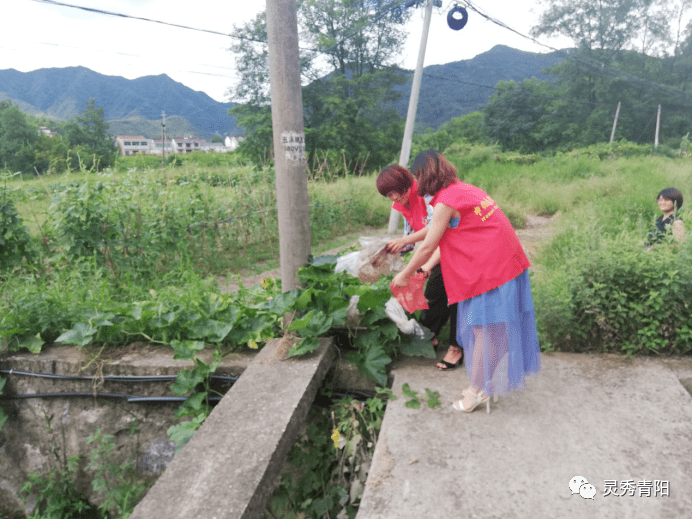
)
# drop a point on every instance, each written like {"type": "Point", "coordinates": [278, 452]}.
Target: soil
{"type": "Point", "coordinates": [538, 229]}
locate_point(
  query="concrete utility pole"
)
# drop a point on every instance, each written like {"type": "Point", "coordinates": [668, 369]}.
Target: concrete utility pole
{"type": "Point", "coordinates": [293, 211]}
{"type": "Point", "coordinates": [163, 137]}
{"type": "Point", "coordinates": [659, 114]}
{"type": "Point", "coordinates": [411, 112]}
{"type": "Point", "coordinates": [613, 129]}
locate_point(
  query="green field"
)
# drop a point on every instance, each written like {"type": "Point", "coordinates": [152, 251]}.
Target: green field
{"type": "Point", "coordinates": [123, 233]}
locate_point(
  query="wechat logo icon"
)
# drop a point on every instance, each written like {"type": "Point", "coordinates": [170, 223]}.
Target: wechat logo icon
{"type": "Point", "coordinates": [581, 486]}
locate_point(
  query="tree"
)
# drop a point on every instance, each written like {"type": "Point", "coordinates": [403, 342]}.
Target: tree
{"type": "Point", "coordinates": [17, 138]}
{"type": "Point", "coordinates": [347, 48]}
{"type": "Point", "coordinates": [87, 134]}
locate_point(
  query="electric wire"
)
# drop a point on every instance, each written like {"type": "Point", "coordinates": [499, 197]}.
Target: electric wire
{"type": "Point", "coordinates": [596, 68]}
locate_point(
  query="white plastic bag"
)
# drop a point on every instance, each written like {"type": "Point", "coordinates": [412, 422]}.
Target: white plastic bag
{"type": "Point", "coordinates": [374, 260]}
{"type": "Point", "coordinates": [396, 313]}
{"type": "Point", "coordinates": [348, 263]}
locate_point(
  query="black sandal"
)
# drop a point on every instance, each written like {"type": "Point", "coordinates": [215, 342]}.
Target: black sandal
{"type": "Point", "coordinates": [448, 365]}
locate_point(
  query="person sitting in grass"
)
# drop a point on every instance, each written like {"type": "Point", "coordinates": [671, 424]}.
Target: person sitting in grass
{"type": "Point", "coordinates": [669, 201]}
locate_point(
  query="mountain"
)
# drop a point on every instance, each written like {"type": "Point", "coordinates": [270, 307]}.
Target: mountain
{"type": "Point", "coordinates": [134, 104]}
{"type": "Point", "coordinates": [461, 87]}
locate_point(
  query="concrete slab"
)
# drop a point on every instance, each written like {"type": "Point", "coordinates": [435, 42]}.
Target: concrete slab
{"type": "Point", "coordinates": [600, 417]}
{"type": "Point", "coordinates": [230, 466]}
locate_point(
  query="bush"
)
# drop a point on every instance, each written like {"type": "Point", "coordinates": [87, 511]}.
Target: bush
{"type": "Point", "coordinates": [619, 298]}
{"type": "Point", "coordinates": [15, 242]}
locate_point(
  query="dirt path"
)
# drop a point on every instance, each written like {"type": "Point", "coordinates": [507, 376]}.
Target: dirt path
{"type": "Point", "coordinates": [537, 231]}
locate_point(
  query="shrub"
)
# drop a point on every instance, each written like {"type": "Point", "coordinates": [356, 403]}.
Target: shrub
{"type": "Point", "coordinates": [619, 298]}
{"type": "Point", "coordinates": [15, 242]}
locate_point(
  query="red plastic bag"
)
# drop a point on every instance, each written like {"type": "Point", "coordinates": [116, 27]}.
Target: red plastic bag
{"type": "Point", "coordinates": [412, 296]}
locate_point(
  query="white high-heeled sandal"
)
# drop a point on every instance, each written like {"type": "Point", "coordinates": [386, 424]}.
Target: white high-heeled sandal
{"type": "Point", "coordinates": [480, 397]}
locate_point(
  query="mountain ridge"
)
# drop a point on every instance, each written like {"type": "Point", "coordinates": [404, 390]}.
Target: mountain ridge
{"type": "Point", "coordinates": [447, 91]}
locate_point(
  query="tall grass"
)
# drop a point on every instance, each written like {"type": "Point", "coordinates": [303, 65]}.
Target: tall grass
{"type": "Point", "coordinates": [121, 233]}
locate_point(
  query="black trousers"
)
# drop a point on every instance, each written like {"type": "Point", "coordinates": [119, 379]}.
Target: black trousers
{"type": "Point", "coordinates": [438, 311]}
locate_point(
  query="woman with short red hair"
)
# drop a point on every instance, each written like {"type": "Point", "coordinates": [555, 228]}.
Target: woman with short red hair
{"type": "Point", "coordinates": [396, 183]}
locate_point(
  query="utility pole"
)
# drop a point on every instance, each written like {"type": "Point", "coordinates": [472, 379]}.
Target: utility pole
{"type": "Point", "coordinates": [293, 211]}
{"type": "Point", "coordinates": [613, 129]}
{"type": "Point", "coordinates": [163, 137]}
{"type": "Point", "coordinates": [659, 113]}
{"type": "Point", "coordinates": [411, 112]}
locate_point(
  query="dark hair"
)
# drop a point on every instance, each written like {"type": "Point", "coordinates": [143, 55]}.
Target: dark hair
{"type": "Point", "coordinates": [433, 172]}
{"type": "Point", "coordinates": [394, 178]}
{"type": "Point", "coordinates": [673, 195]}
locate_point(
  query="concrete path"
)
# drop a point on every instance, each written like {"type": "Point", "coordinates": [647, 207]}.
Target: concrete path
{"type": "Point", "coordinates": [604, 418]}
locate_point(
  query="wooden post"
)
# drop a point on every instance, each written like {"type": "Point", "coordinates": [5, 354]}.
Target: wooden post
{"type": "Point", "coordinates": [293, 211]}
{"type": "Point", "coordinates": [659, 113]}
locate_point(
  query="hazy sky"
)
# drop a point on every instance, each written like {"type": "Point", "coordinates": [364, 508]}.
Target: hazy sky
{"type": "Point", "coordinates": [35, 34]}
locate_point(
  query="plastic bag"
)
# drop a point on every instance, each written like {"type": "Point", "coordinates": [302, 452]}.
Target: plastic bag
{"type": "Point", "coordinates": [348, 263]}
{"type": "Point", "coordinates": [396, 313]}
{"type": "Point", "coordinates": [412, 296]}
{"type": "Point", "coordinates": [374, 260]}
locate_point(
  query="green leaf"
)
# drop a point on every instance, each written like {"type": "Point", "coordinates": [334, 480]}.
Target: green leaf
{"type": "Point", "coordinates": [182, 433]}
{"type": "Point", "coordinates": [81, 334]}
{"type": "Point", "coordinates": [412, 345]}
{"type": "Point", "coordinates": [433, 399]}
{"type": "Point", "coordinates": [301, 323]}
{"type": "Point", "coordinates": [372, 363]}
{"type": "Point", "coordinates": [192, 405]}
{"type": "Point", "coordinates": [186, 381]}
{"type": "Point", "coordinates": [186, 349]}
{"type": "Point", "coordinates": [414, 404]}
{"type": "Point", "coordinates": [407, 391]}
{"type": "Point", "coordinates": [306, 345]}
{"type": "Point", "coordinates": [212, 330]}
{"type": "Point", "coordinates": [3, 418]}
{"type": "Point", "coordinates": [32, 343]}
{"type": "Point", "coordinates": [283, 302]}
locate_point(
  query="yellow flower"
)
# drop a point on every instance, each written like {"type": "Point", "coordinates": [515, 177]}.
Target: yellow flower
{"type": "Point", "coordinates": [252, 343]}
{"type": "Point", "coordinates": [335, 438]}
{"type": "Point", "coordinates": [266, 282]}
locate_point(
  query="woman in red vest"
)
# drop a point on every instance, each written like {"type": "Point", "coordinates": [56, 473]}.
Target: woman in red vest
{"type": "Point", "coordinates": [485, 274]}
{"type": "Point", "coordinates": [396, 183]}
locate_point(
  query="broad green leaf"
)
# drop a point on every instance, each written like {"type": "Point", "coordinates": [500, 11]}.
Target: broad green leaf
{"type": "Point", "coordinates": [3, 418]}
{"type": "Point", "coordinates": [212, 330]}
{"type": "Point", "coordinates": [372, 363]}
{"type": "Point", "coordinates": [2, 383]}
{"type": "Point", "coordinates": [81, 334]}
{"type": "Point", "coordinates": [406, 390]}
{"type": "Point", "coordinates": [283, 302]}
{"type": "Point", "coordinates": [186, 349]}
{"type": "Point", "coordinates": [306, 345]}
{"type": "Point", "coordinates": [301, 323]}
{"type": "Point", "coordinates": [182, 433]}
{"type": "Point", "coordinates": [433, 398]}
{"type": "Point", "coordinates": [412, 345]}
{"type": "Point", "coordinates": [32, 343]}
{"type": "Point", "coordinates": [186, 381]}
{"type": "Point", "coordinates": [192, 405]}
{"type": "Point", "coordinates": [414, 404]}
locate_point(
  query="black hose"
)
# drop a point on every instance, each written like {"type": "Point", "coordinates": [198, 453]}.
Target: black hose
{"type": "Point", "coordinates": [128, 398]}
{"type": "Point", "coordinates": [122, 379]}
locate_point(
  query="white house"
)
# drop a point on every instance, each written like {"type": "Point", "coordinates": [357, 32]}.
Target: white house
{"type": "Point", "coordinates": [132, 144]}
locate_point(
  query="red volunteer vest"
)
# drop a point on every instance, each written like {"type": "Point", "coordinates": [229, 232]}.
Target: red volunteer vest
{"type": "Point", "coordinates": [416, 214]}
{"type": "Point", "coordinates": [481, 251]}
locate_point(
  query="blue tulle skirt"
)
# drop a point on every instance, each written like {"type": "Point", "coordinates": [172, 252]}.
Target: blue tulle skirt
{"type": "Point", "coordinates": [498, 333]}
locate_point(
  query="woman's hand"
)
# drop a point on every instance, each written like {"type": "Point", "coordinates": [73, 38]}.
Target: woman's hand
{"type": "Point", "coordinates": [396, 245]}
{"type": "Point", "coordinates": [401, 280]}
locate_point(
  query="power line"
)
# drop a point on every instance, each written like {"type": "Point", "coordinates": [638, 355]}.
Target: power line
{"type": "Point", "coordinates": [597, 68]}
